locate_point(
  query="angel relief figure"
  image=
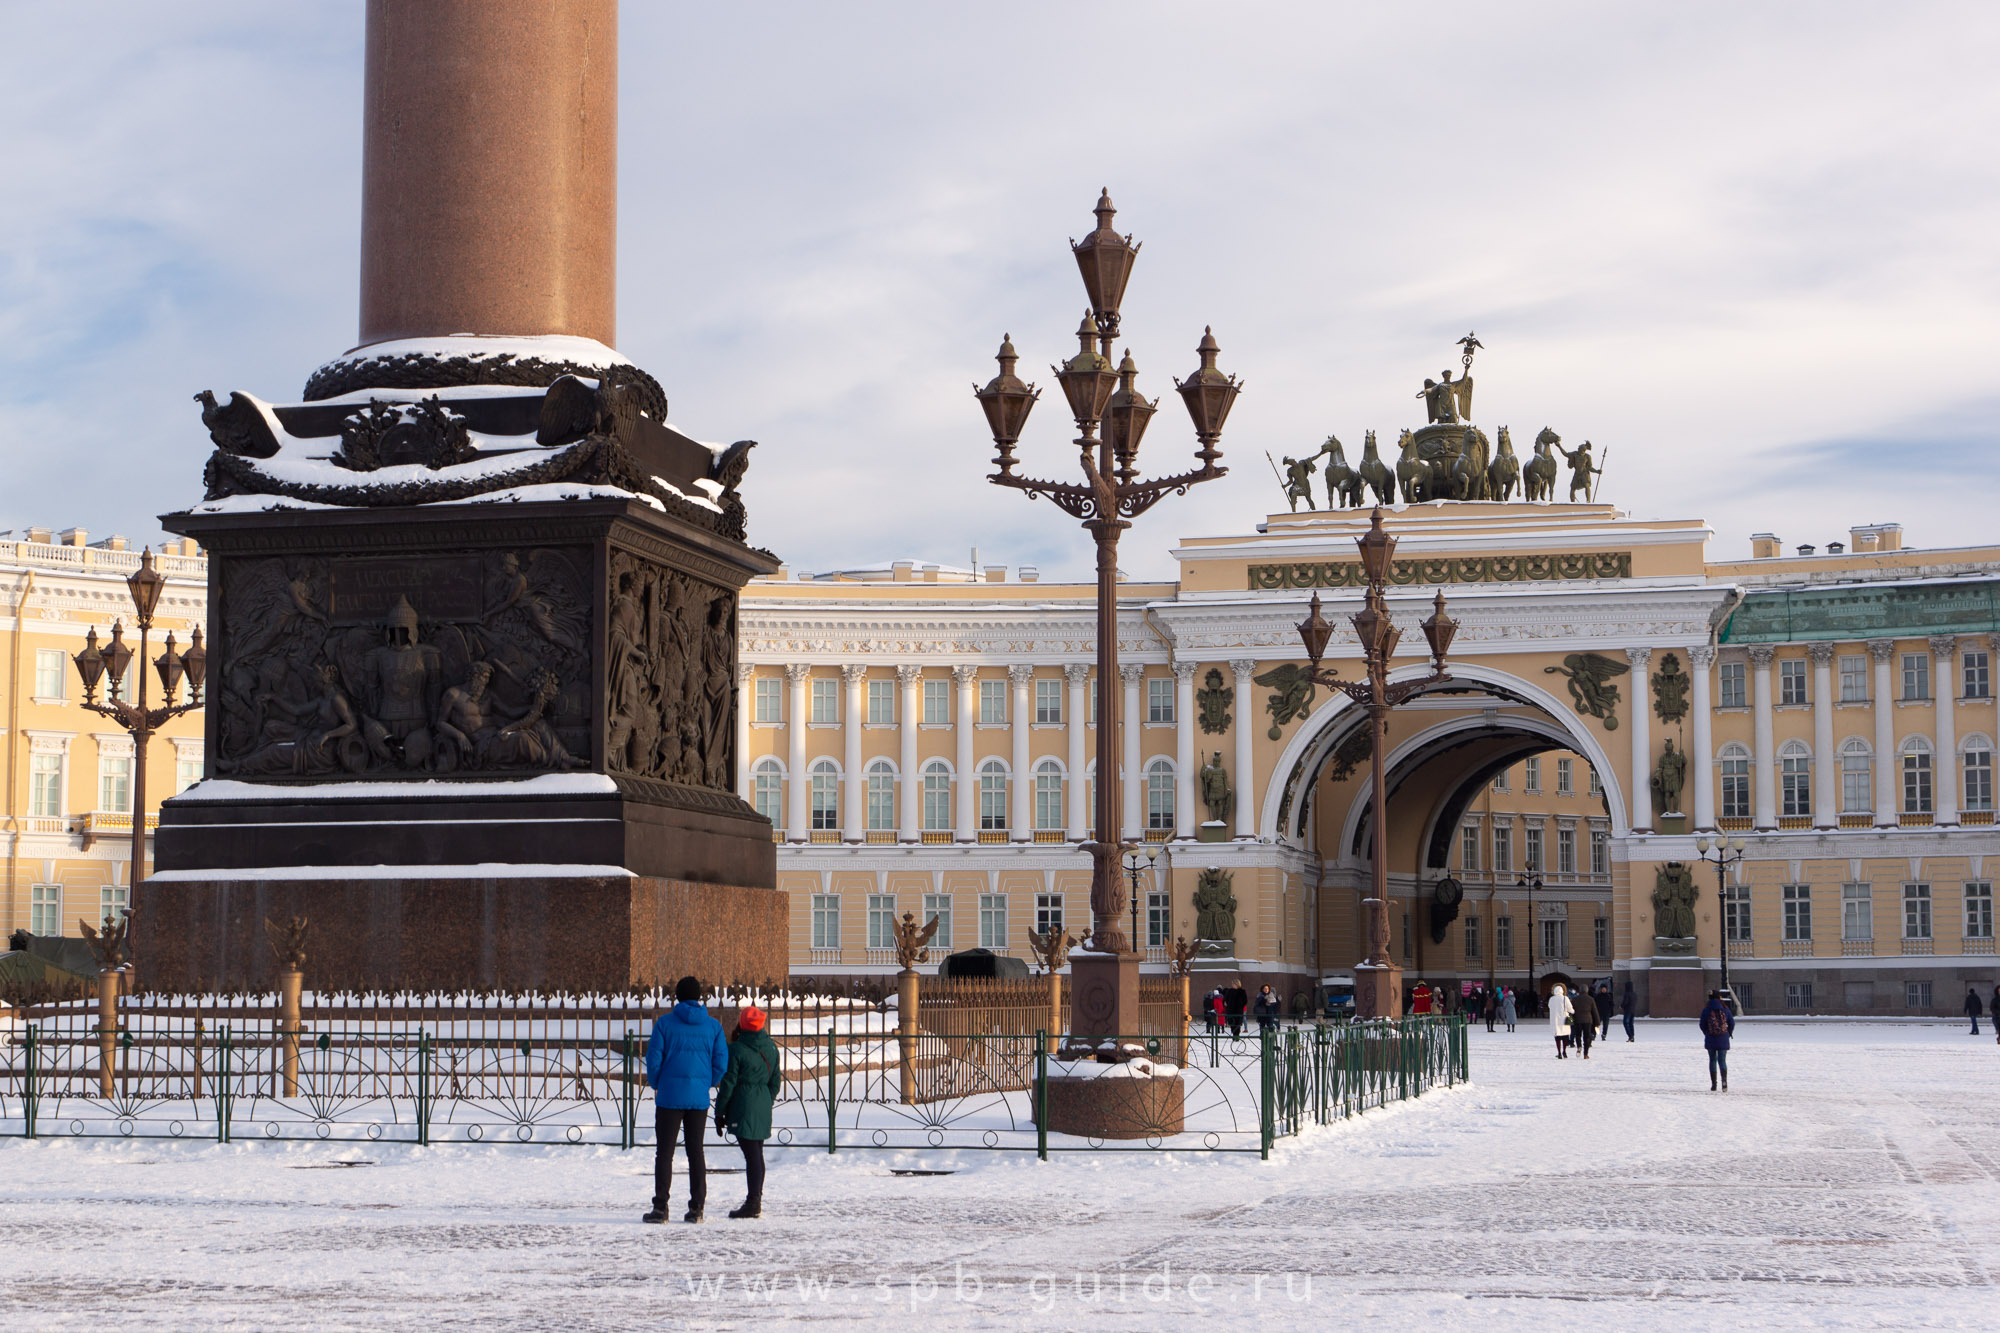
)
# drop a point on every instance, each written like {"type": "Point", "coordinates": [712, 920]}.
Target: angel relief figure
{"type": "Point", "coordinates": [546, 595]}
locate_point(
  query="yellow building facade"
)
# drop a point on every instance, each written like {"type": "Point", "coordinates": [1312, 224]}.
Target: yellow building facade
{"type": "Point", "coordinates": [921, 737]}
{"type": "Point", "coordinates": [69, 772]}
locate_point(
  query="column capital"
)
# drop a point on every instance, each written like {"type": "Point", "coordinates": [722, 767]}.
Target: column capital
{"type": "Point", "coordinates": [1881, 649]}
{"type": "Point", "coordinates": [852, 671]}
{"type": "Point", "coordinates": [1821, 652]}
{"type": "Point", "coordinates": [743, 673]}
{"type": "Point", "coordinates": [962, 674]}
{"type": "Point", "coordinates": [797, 671]}
{"type": "Point", "coordinates": [1638, 657]}
{"type": "Point", "coordinates": [1243, 668]}
{"type": "Point", "coordinates": [1761, 654]}
{"type": "Point", "coordinates": [1078, 673]}
{"type": "Point", "coordinates": [1184, 668]}
{"type": "Point", "coordinates": [908, 672]}
{"type": "Point", "coordinates": [1942, 644]}
{"type": "Point", "coordinates": [1020, 673]}
{"type": "Point", "coordinates": [1131, 672]}
{"type": "Point", "coordinates": [1702, 655]}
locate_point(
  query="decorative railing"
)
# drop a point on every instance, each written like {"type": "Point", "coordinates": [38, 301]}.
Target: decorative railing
{"type": "Point", "coordinates": [1918, 948]}
{"type": "Point", "coordinates": [1796, 949]}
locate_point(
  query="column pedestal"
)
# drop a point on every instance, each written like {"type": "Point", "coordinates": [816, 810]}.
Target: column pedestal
{"type": "Point", "coordinates": [1103, 996]}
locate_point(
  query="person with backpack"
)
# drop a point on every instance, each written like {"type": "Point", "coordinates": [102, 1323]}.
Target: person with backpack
{"type": "Point", "coordinates": [1718, 1024]}
{"type": "Point", "coordinates": [1559, 1011]}
{"type": "Point", "coordinates": [1973, 1008]}
{"type": "Point", "coordinates": [1583, 1021]}
{"type": "Point", "coordinates": [743, 1102]}
{"type": "Point", "coordinates": [686, 1057]}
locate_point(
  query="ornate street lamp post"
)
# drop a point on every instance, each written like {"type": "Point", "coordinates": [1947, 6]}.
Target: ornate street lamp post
{"type": "Point", "coordinates": [1134, 868]}
{"type": "Point", "coordinates": [1378, 988]}
{"type": "Point", "coordinates": [94, 664]}
{"type": "Point", "coordinates": [1728, 851]}
{"type": "Point", "coordinates": [1111, 418]}
{"type": "Point", "coordinates": [1531, 885]}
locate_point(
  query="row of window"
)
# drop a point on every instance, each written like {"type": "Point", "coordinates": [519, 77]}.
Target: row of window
{"type": "Point", "coordinates": [1469, 857]}
{"type": "Point", "coordinates": [47, 773]}
{"type": "Point", "coordinates": [936, 806]}
{"type": "Point", "coordinates": [1531, 777]}
{"type": "Point", "coordinates": [45, 906]}
{"type": "Point", "coordinates": [52, 675]}
{"type": "Point", "coordinates": [992, 927]}
{"type": "Point", "coordinates": [1854, 995]}
{"type": "Point", "coordinates": [1857, 777]}
{"type": "Point", "coordinates": [768, 703]}
{"type": "Point", "coordinates": [1975, 679]}
{"type": "Point", "coordinates": [1554, 942]}
{"type": "Point", "coordinates": [1857, 911]}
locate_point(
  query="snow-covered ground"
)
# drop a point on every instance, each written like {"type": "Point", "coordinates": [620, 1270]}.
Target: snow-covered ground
{"type": "Point", "coordinates": [1850, 1179]}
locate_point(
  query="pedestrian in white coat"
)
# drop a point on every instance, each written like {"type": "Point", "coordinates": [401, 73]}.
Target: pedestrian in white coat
{"type": "Point", "coordinates": [1559, 1011]}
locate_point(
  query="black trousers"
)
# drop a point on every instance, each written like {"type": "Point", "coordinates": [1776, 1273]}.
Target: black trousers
{"type": "Point", "coordinates": [753, 1168]}
{"type": "Point", "coordinates": [668, 1125]}
{"type": "Point", "coordinates": [1236, 1025]}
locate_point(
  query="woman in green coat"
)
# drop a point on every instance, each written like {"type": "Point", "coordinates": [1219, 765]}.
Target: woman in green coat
{"type": "Point", "coordinates": [743, 1102]}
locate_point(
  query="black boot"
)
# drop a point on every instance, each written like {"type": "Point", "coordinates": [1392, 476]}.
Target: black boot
{"type": "Point", "coordinates": [750, 1208]}
{"type": "Point", "coordinates": [659, 1213]}
{"type": "Point", "coordinates": [693, 1213]}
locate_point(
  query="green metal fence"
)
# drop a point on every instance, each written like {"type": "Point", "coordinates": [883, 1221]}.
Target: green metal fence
{"type": "Point", "coordinates": [576, 1076]}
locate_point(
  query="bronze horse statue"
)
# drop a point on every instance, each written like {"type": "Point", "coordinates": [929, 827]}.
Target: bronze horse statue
{"type": "Point", "coordinates": [1504, 471]}
{"type": "Point", "coordinates": [1468, 470]}
{"type": "Point", "coordinates": [1538, 479]}
{"type": "Point", "coordinates": [1412, 472]}
{"type": "Point", "coordinates": [1376, 473]}
{"type": "Point", "coordinates": [1343, 483]}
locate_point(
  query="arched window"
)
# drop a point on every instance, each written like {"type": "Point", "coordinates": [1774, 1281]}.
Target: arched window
{"type": "Point", "coordinates": [767, 790]}
{"type": "Point", "coordinates": [1160, 794]}
{"type": "Point", "coordinates": [1049, 794]}
{"type": "Point", "coordinates": [1857, 777]}
{"type": "Point", "coordinates": [1733, 764]}
{"type": "Point", "coordinates": [1978, 756]}
{"type": "Point", "coordinates": [937, 796]}
{"type": "Point", "coordinates": [881, 795]}
{"type": "Point", "coordinates": [1916, 776]}
{"type": "Point", "coordinates": [1795, 776]}
{"type": "Point", "coordinates": [993, 795]}
{"type": "Point", "coordinates": [825, 794]}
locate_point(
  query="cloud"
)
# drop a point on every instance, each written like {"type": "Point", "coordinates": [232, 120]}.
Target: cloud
{"type": "Point", "coordinates": [1703, 236]}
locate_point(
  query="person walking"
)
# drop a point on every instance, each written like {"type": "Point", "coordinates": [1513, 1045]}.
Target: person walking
{"type": "Point", "coordinates": [1718, 1024]}
{"type": "Point", "coordinates": [1491, 1008]}
{"type": "Point", "coordinates": [1995, 1011]}
{"type": "Point", "coordinates": [1509, 1010]}
{"type": "Point", "coordinates": [1211, 1010]}
{"type": "Point", "coordinates": [1583, 1021]}
{"type": "Point", "coordinates": [1234, 1001]}
{"type": "Point", "coordinates": [743, 1102]}
{"type": "Point", "coordinates": [1631, 1008]}
{"type": "Point", "coordinates": [686, 1057]}
{"type": "Point", "coordinates": [1420, 999]}
{"type": "Point", "coordinates": [1559, 1010]}
{"type": "Point", "coordinates": [1973, 1009]}
{"type": "Point", "coordinates": [1267, 1010]}
{"type": "Point", "coordinates": [1602, 995]}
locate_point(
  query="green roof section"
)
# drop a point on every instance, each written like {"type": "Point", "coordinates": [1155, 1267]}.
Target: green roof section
{"type": "Point", "coordinates": [1885, 610]}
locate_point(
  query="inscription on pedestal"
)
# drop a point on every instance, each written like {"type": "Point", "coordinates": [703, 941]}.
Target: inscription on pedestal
{"type": "Point", "coordinates": [363, 592]}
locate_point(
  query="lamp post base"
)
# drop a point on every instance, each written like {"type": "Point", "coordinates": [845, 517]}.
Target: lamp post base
{"type": "Point", "coordinates": [1378, 990]}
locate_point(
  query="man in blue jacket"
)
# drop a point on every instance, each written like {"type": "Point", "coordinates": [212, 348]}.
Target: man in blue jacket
{"type": "Point", "coordinates": [685, 1059]}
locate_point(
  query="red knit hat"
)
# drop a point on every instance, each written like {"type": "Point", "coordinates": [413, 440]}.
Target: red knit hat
{"type": "Point", "coordinates": [751, 1019]}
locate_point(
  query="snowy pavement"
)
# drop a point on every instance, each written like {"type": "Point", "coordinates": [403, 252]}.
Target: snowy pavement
{"type": "Point", "coordinates": [1850, 1180]}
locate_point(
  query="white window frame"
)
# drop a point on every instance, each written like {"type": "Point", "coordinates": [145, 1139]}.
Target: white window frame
{"type": "Point", "coordinates": [1565, 777]}
{"type": "Point", "coordinates": [1736, 913]}
{"type": "Point", "coordinates": [1976, 674]}
{"type": "Point", "coordinates": [1798, 912]}
{"type": "Point", "coordinates": [1159, 919]}
{"type": "Point", "coordinates": [1917, 995]}
{"type": "Point", "coordinates": [1916, 677]}
{"type": "Point", "coordinates": [993, 921]}
{"type": "Point", "coordinates": [767, 790]}
{"type": "Point", "coordinates": [938, 906]}
{"type": "Point", "coordinates": [51, 673]}
{"type": "Point", "coordinates": [1468, 849]}
{"type": "Point", "coordinates": [1565, 851]}
{"type": "Point", "coordinates": [881, 920]}
{"type": "Point", "coordinates": [1854, 679]}
{"type": "Point", "coordinates": [1917, 923]}
{"type": "Point", "coordinates": [937, 703]}
{"type": "Point", "coordinates": [826, 921]}
{"type": "Point", "coordinates": [1798, 995]}
{"type": "Point", "coordinates": [1919, 777]}
{"type": "Point", "coordinates": [937, 811]}
{"type": "Point", "coordinates": [114, 783]}
{"type": "Point", "coordinates": [823, 807]}
{"type": "Point", "coordinates": [1503, 936]}
{"type": "Point", "coordinates": [1730, 678]}
{"type": "Point", "coordinates": [881, 782]}
{"type": "Point", "coordinates": [825, 701]}
{"type": "Point", "coordinates": [769, 696]}
{"type": "Point", "coordinates": [992, 703]}
{"type": "Point", "coordinates": [1792, 681]}
{"type": "Point", "coordinates": [1977, 784]}
{"type": "Point", "coordinates": [1159, 700]}
{"type": "Point", "coordinates": [993, 783]}
{"type": "Point", "coordinates": [1531, 775]}
{"type": "Point", "coordinates": [1795, 779]}
{"type": "Point", "coordinates": [1857, 777]}
{"type": "Point", "coordinates": [1732, 786]}
{"type": "Point", "coordinates": [45, 907]}
{"type": "Point", "coordinates": [1160, 792]}
{"type": "Point", "coordinates": [882, 703]}
{"type": "Point", "coordinates": [1503, 849]}
{"type": "Point", "coordinates": [1048, 701]}
{"type": "Point", "coordinates": [1473, 952]}
{"type": "Point", "coordinates": [1531, 850]}
{"type": "Point", "coordinates": [1979, 910]}
{"type": "Point", "coordinates": [1048, 913]}
{"type": "Point", "coordinates": [1857, 911]}
{"type": "Point", "coordinates": [48, 783]}
{"type": "Point", "coordinates": [1049, 793]}
{"type": "Point", "coordinates": [1600, 852]}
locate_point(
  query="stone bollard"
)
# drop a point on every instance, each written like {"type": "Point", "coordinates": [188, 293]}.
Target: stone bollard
{"type": "Point", "coordinates": [290, 1026]}
{"type": "Point", "coordinates": [1055, 1008]}
{"type": "Point", "coordinates": [107, 1031]}
{"type": "Point", "coordinates": [906, 1033]}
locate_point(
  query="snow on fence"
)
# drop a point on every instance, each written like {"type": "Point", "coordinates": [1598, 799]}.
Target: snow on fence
{"type": "Point", "coordinates": [570, 1068]}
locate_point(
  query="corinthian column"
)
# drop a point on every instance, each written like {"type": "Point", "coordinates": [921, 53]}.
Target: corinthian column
{"type": "Point", "coordinates": [1241, 669]}
{"type": "Point", "coordinates": [1702, 761]}
{"type": "Point", "coordinates": [1184, 761]}
{"type": "Point", "coordinates": [1076, 724]}
{"type": "Point", "coordinates": [1764, 764]}
{"type": "Point", "coordinates": [1826, 790]}
{"type": "Point", "coordinates": [1022, 677]}
{"type": "Point", "coordinates": [909, 712]}
{"type": "Point", "coordinates": [1944, 771]}
{"type": "Point", "coordinates": [742, 756]}
{"type": "Point", "coordinates": [854, 678]}
{"type": "Point", "coordinates": [967, 680]}
{"type": "Point", "coordinates": [1133, 720]}
{"type": "Point", "coordinates": [1642, 737]}
{"type": "Point", "coordinates": [1883, 650]}
{"type": "Point", "coordinates": [798, 820]}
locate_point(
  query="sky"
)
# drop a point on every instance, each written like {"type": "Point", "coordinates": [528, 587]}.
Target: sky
{"type": "Point", "coordinates": [1748, 251]}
